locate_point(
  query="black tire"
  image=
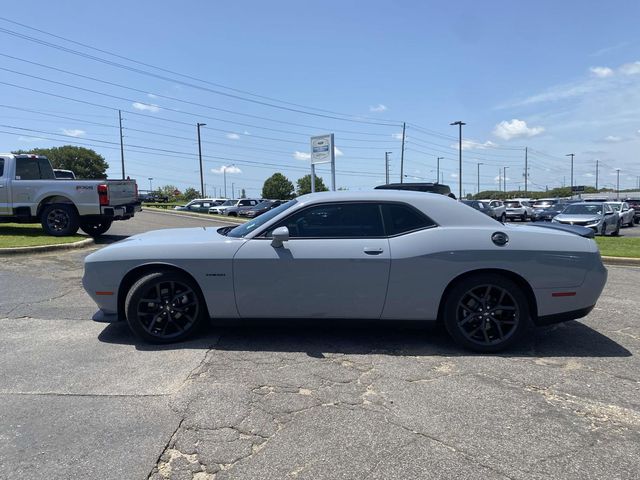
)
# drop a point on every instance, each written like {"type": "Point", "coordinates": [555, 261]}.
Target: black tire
{"type": "Point", "coordinates": [95, 228]}
{"type": "Point", "coordinates": [174, 312]}
{"type": "Point", "coordinates": [60, 220]}
{"type": "Point", "coordinates": [616, 232]}
{"type": "Point", "coordinates": [503, 217]}
{"type": "Point", "coordinates": [474, 322]}
{"type": "Point", "coordinates": [524, 217]}
{"type": "Point", "coordinates": [603, 230]}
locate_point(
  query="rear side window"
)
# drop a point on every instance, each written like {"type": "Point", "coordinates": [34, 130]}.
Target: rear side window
{"type": "Point", "coordinates": [400, 219]}
{"type": "Point", "coordinates": [46, 171]}
{"type": "Point", "coordinates": [1, 167]}
{"type": "Point", "coordinates": [27, 169]}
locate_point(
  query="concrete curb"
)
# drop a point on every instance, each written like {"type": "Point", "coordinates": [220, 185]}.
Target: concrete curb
{"type": "Point", "coordinates": [622, 261]}
{"type": "Point", "coordinates": [213, 218]}
{"type": "Point", "coordinates": [46, 248]}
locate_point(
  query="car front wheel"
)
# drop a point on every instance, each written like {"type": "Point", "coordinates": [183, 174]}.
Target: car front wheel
{"type": "Point", "coordinates": [616, 232]}
{"type": "Point", "coordinates": [486, 313]}
{"type": "Point", "coordinates": [164, 307]}
{"type": "Point", "coordinates": [503, 217]}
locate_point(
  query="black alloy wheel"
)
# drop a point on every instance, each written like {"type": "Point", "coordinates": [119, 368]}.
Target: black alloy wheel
{"type": "Point", "coordinates": [164, 307]}
{"type": "Point", "coordinates": [486, 313]}
{"type": "Point", "coordinates": [95, 228]}
{"type": "Point", "coordinates": [59, 220]}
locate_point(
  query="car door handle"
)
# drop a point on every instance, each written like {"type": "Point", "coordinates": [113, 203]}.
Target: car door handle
{"type": "Point", "coordinates": [373, 251]}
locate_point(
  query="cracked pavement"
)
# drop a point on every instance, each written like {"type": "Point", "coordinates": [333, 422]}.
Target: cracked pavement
{"type": "Point", "coordinates": [277, 400]}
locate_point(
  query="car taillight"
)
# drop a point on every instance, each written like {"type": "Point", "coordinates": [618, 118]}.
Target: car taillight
{"type": "Point", "coordinates": [103, 194]}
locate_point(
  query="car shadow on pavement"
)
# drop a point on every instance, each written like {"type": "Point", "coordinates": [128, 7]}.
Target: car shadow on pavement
{"type": "Point", "coordinates": [570, 339]}
{"type": "Point", "coordinates": [107, 239]}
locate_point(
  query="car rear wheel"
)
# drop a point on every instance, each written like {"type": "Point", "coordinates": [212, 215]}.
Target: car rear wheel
{"type": "Point", "coordinates": [524, 217]}
{"type": "Point", "coordinates": [95, 228]}
{"type": "Point", "coordinates": [164, 307]}
{"type": "Point", "coordinates": [486, 313]}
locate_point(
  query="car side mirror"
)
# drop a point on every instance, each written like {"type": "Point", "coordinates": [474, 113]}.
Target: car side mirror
{"type": "Point", "coordinates": [279, 235]}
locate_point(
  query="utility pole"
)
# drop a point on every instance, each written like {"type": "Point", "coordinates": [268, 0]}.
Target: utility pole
{"type": "Point", "coordinates": [571, 155]}
{"type": "Point", "coordinates": [438, 169]}
{"type": "Point", "coordinates": [386, 166]}
{"type": "Point", "coordinates": [404, 127]}
{"type": "Point", "coordinates": [597, 171]}
{"type": "Point", "coordinates": [150, 184]}
{"type": "Point", "coordinates": [618, 185]}
{"type": "Point", "coordinates": [479, 177]}
{"type": "Point", "coordinates": [499, 180]}
{"type": "Point", "coordinates": [224, 175]}
{"type": "Point", "coordinates": [526, 169]}
{"type": "Point", "coordinates": [198, 125]}
{"type": "Point", "coordinates": [233, 190]}
{"type": "Point", "coordinates": [504, 177]}
{"type": "Point", "coordinates": [121, 144]}
{"type": "Point", "coordinates": [460, 124]}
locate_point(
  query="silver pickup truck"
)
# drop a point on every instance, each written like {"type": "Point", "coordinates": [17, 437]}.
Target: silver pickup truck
{"type": "Point", "coordinates": [29, 192]}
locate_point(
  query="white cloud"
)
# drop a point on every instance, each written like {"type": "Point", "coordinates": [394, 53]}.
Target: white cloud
{"type": "Point", "coordinates": [73, 132]}
{"type": "Point", "coordinates": [471, 144]}
{"type": "Point", "coordinates": [148, 107]}
{"type": "Point", "coordinates": [632, 68]}
{"type": "Point", "coordinates": [612, 138]}
{"type": "Point", "coordinates": [228, 168]}
{"type": "Point", "coordinates": [378, 108]}
{"type": "Point", "coordinates": [30, 139]}
{"type": "Point", "coordinates": [589, 175]}
{"type": "Point", "coordinates": [601, 72]}
{"type": "Point", "coordinates": [233, 136]}
{"type": "Point", "coordinates": [337, 151]}
{"type": "Point", "coordinates": [454, 175]}
{"type": "Point", "coordinates": [396, 136]}
{"type": "Point", "coordinates": [514, 129]}
{"type": "Point", "coordinates": [246, 133]}
{"type": "Point", "coordinates": [301, 155]}
{"type": "Point", "coordinates": [151, 95]}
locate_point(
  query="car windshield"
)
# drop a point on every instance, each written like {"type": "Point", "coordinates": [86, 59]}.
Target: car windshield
{"type": "Point", "coordinates": [512, 204]}
{"type": "Point", "coordinates": [583, 210]}
{"type": "Point", "coordinates": [616, 206]}
{"type": "Point", "coordinates": [229, 203]}
{"type": "Point", "coordinates": [264, 204]}
{"type": "Point", "coordinates": [544, 204]}
{"type": "Point", "coordinates": [246, 228]}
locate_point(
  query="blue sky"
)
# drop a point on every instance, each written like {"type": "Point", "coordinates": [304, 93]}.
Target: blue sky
{"type": "Point", "coordinates": [557, 77]}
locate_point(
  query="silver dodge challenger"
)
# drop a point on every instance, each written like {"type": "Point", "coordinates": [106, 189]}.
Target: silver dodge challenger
{"type": "Point", "coordinates": [390, 255]}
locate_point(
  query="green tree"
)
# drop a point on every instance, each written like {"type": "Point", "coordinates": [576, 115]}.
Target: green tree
{"type": "Point", "coordinates": [278, 187]}
{"type": "Point", "coordinates": [190, 194]}
{"type": "Point", "coordinates": [84, 162]}
{"type": "Point", "coordinates": [304, 185]}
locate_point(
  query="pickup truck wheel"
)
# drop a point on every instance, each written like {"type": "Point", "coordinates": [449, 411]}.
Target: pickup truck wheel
{"type": "Point", "coordinates": [95, 228]}
{"type": "Point", "coordinates": [60, 220]}
{"type": "Point", "coordinates": [164, 307]}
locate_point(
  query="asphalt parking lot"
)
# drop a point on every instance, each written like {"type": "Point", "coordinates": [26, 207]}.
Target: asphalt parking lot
{"type": "Point", "coordinates": [271, 400]}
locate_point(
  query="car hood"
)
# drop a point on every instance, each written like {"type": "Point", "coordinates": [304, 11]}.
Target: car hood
{"type": "Point", "coordinates": [577, 218]}
{"type": "Point", "coordinates": [169, 243]}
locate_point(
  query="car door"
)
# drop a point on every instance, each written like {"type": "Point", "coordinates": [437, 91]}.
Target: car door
{"type": "Point", "coordinates": [334, 265]}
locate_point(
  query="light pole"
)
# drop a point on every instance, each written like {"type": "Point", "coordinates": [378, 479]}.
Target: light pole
{"type": "Point", "coordinates": [438, 168]}
{"type": "Point", "coordinates": [224, 174]}
{"type": "Point", "coordinates": [386, 166]}
{"type": "Point", "coordinates": [504, 179]}
{"type": "Point", "coordinates": [571, 155]}
{"type": "Point", "coordinates": [479, 177]}
{"type": "Point", "coordinates": [150, 184]}
{"type": "Point", "coordinates": [618, 185]}
{"type": "Point", "coordinates": [460, 124]}
{"type": "Point", "coordinates": [233, 190]}
{"type": "Point", "coordinates": [198, 125]}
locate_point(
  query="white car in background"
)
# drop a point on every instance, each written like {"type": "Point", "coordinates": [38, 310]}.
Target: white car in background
{"type": "Point", "coordinates": [383, 254]}
{"type": "Point", "coordinates": [518, 209]}
{"type": "Point", "coordinates": [625, 212]}
{"type": "Point", "coordinates": [499, 210]}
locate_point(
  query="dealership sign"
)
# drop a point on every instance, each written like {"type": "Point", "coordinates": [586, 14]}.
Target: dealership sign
{"type": "Point", "coordinates": [322, 149]}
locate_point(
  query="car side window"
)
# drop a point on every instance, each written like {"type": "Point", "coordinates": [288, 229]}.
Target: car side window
{"type": "Point", "coordinates": [400, 219]}
{"type": "Point", "coordinates": [206, 204]}
{"type": "Point", "coordinates": [27, 169]}
{"type": "Point", "coordinates": [338, 220]}
{"type": "Point", "coordinates": [1, 167]}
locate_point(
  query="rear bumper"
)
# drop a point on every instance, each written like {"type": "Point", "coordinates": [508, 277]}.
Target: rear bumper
{"type": "Point", "coordinates": [103, 317]}
{"type": "Point", "coordinates": [121, 212]}
{"type": "Point", "coordinates": [563, 317]}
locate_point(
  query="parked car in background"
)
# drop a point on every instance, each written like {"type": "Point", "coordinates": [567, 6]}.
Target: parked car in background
{"type": "Point", "coordinates": [481, 207]}
{"type": "Point", "coordinates": [600, 217]}
{"type": "Point", "coordinates": [625, 212]}
{"type": "Point", "coordinates": [260, 208]}
{"type": "Point", "coordinates": [153, 197]}
{"type": "Point", "coordinates": [231, 207]}
{"type": "Point", "coordinates": [635, 204]}
{"type": "Point", "coordinates": [30, 192]}
{"type": "Point", "coordinates": [353, 255]}
{"type": "Point", "coordinates": [200, 205]}
{"type": "Point", "coordinates": [64, 174]}
{"type": "Point", "coordinates": [548, 214]}
{"type": "Point", "coordinates": [518, 209]}
{"type": "Point", "coordinates": [544, 203]}
{"type": "Point", "coordinates": [499, 210]}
